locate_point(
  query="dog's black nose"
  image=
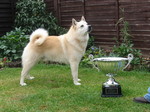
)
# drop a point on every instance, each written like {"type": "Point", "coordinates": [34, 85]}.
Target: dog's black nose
{"type": "Point", "coordinates": [89, 28]}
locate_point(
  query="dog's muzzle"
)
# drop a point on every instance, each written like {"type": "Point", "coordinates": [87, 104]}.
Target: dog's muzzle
{"type": "Point", "coordinates": [89, 28]}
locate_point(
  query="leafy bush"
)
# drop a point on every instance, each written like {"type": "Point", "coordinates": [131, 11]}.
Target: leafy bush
{"type": "Point", "coordinates": [95, 51]}
{"type": "Point", "coordinates": [31, 15]}
{"type": "Point", "coordinates": [12, 44]}
{"type": "Point", "coordinates": [126, 46]}
{"type": "Point", "coordinates": [90, 42]}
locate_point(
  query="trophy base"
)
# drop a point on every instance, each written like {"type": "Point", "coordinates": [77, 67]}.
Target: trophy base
{"type": "Point", "coordinates": [111, 91]}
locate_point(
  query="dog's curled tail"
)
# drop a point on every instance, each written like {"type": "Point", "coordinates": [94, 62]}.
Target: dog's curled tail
{"type": "Point", "coordinates": [38, 36]}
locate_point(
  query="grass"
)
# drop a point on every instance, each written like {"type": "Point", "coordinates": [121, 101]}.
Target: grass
{"type": "Point", "coordinates": [52, 90]}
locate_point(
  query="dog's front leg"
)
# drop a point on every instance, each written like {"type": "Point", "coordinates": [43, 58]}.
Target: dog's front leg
{"type": "Point", "coordinates": [74, 70]}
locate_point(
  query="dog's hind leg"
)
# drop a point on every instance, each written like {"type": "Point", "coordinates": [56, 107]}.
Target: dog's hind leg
{"type": "Point", "coordinates": [27, 65]}
{"type": "Point", "coordinates": [25, 72]}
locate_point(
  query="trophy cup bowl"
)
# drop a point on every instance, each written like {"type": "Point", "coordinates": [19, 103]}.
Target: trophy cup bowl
{"type": "Point", "coordinates": [111, 66]}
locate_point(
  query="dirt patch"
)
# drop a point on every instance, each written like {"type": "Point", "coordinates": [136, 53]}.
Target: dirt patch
{"type": "Point", "coordinates": [13, 64]}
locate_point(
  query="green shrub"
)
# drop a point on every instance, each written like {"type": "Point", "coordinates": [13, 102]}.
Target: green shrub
{"type": "Point", "coordinates": [90, 42]}
{"type": "Point", "coordinates": [32, 14]}
{"type": "Point", "coordinates": [126, 46]}
{"type": "Point", "coordinates": [12, 44]}
{"type": "Point", "coordinates": [93, 50]}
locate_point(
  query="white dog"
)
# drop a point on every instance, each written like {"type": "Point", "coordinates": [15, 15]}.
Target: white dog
{"type": "Point", "coordinates": [68, 48]}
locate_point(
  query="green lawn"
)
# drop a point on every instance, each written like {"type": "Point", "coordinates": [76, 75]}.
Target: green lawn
{"type": "Point", "coordinates": [52, 90]}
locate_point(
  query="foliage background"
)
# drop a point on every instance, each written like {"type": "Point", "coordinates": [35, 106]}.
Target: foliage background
{"type": "Point", "coordinates": [12, 44]}
{"type": "Point", "coordinates": [32, 14]}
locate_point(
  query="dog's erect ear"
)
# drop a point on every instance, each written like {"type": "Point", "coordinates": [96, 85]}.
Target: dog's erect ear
{"type": "Point", "coordinates": [82, 18]}
{"type": "Point", "coordinates": [74, 22]}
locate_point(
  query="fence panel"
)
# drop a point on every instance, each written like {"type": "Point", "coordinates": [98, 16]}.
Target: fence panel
{"type": "Point", "coordinates": [7, 14]}
{"type": "Point", "coordinates": [137, 13]}
{"type": "Point", "coordinates": [69, 9]}
{"type": "Point", "coordinates": [103, 15]}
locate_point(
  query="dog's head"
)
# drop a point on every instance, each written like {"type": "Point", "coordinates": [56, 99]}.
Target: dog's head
{"type": "Point", "coordinates": [81, 27]}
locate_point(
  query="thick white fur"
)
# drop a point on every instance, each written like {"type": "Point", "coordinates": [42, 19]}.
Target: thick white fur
{"type": "Point", "coordinates": [68, 48]}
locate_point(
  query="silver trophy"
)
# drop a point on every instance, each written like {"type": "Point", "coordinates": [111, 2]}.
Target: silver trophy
{"type": "Point", "coordinates": [111, 66]}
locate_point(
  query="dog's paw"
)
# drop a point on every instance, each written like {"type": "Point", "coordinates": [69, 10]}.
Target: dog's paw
{"type": "Point", "coordinates": [23, 84]}
{"type": "Point", "coordinates": [79, 79]}
{"type": "Point", "coordinates": [77, 83]}
{"type": "Point", "coordinates": [30, 78]}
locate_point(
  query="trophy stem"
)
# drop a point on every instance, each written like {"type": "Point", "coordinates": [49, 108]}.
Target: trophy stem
{"type": "Point", "coordinates": [111, 81]}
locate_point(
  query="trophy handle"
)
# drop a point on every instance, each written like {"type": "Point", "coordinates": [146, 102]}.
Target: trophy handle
{"type": "Point", "coordinates": [130, 58]}
{"type": "Point", "coordinates": [91, 57]}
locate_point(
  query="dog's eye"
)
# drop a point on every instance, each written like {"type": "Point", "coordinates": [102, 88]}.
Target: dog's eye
{"type": "Point", "coordinates": [82, 26]}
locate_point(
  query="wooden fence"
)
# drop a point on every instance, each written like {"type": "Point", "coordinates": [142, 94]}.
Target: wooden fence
{"type": "Point", "coordinates": [103, 15]}
{"type": "Point", "coordinates": [7, 14]}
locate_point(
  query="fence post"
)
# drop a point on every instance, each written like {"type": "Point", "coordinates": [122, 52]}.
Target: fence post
{"type": "Point", "coordinates": [13, 9]}
{"type": "Point", "coordinates": [84, 12]}
{"type": "Point", "coordinates": [117, 18]}
{"type": "Point", "coordinates": [57, 10]}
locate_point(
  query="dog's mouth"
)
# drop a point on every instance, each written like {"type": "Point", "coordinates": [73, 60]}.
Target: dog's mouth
{"type": "Point", "coordinates": [89, 28]}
